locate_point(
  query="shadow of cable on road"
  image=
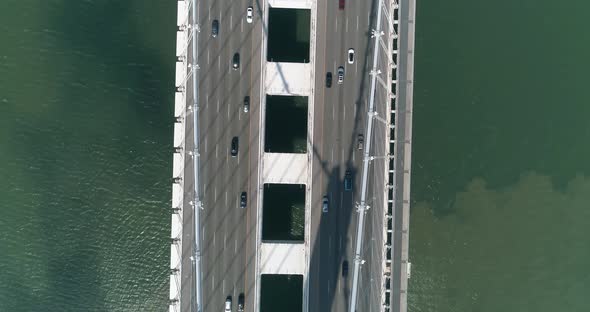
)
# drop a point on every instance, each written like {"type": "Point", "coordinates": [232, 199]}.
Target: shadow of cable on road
{"type": "Point", "coordinates": [326, 268]}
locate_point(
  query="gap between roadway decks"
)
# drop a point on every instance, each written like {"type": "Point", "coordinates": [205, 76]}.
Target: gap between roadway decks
{"type": "Point", "coordinates": [287, 79]}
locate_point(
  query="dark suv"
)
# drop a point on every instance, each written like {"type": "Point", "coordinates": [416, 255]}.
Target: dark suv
{"type": "Point", "coordinates": [348, 181]}
{"type": "Point", "coordinates": [214, 28]}
{"type": "Point", "coordinates": [241, 303]}
{"type": "Point", "coordinates": [236, 61]}
{"type": "Point", "coordinates": [243, 200]}
{"type": "Point", "coordinates": [328, 80]}
{"type": "Point", "coordinates": [234, 147]}
{"type": "Point", "coordinates": [344, 268]}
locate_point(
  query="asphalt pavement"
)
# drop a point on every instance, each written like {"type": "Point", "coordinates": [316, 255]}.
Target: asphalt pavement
{"type": "Point", "coordinates": [340, 115]}
{"type": "Point", "coordinates": [228, 232]}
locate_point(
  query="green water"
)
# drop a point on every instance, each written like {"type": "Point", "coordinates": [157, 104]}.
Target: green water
{"type": "Point", "coordinates": [501, 183]}
{"type": "Point", "coordinates": [501, 147]}
{"type": "Point", "coordinates": [86, 95]}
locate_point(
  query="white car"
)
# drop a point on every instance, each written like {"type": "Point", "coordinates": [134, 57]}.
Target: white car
{"type": "Point", "coordinates": [325, 204]}
{"type": "Point", "coordinates": [228, 304]}
{"type": "Point", "coordinates": [350, 56]}
{"type": "Point", "coordinates": [249, 15]}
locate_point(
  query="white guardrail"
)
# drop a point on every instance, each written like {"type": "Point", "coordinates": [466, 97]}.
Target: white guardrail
{"type": "Point", "coordinates": [186, 38]}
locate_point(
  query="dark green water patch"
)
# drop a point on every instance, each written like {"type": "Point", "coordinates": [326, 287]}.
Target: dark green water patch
{"type": "Point", "coordinates": [283, 212]}
{"type": "Point", "coordinates": [288, 35]}
{"type": "Point", "coordinates": [86, 91]}
{"type": "Point", "coordinates": [281, 293]}
{"type": "Point", "coordinates": [286, 124]}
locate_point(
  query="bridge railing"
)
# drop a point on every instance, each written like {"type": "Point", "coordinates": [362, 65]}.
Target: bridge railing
{"type": "Point", "coordinates": [187, 69]}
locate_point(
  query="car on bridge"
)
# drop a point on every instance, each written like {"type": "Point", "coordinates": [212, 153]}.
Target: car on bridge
{"type": "Point", "coordinates": [236, 61]}
{"type": "Point", "coordinates": [340, 75]}
{"type": "Point", "coordinates": [344, 268]}
{"type": "Point", "coordinates": [246, 103]}
{"type": "Point", "coordinates": [227, 304]}
{"type": "Point", "coordinates": [348, 181]}
{"type": "Point", "coordinates": [234, 146]}
{"type": "Point", "coordinates": [214, 28]}
{"type": "Point", "coordinates": [243, 200]}
{"type": "Point", "coordinates": [249, 15]}
{"type": "Point", "coordinates": [361, 142]}
{"type": "Point", "coordinates": [241, 303]}
{"type": "Point", "coordinates": [350, 56]}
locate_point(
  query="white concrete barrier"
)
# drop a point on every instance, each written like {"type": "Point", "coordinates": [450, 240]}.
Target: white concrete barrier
{"type": "Point", "coordinates": [179, 104]}
{"type": "Point", "coordinates": [181, 41]}
{"type": "Point", "coordinates": [178, 163]}
{"type": "Point", "coordinates": [288, 79]}
{"type": "Point", "coordinates": [182, 13]}
{"type": "Point", "coordinates": [179, 134]}
{"type": "Point", "coordinates": [180, 74]}
{"type": "Point", "coordinates": [282, 258]}
{"type": "Point", "coordinates": [291, 4]}
{"type": "Point", "coordinates": [285, 168]}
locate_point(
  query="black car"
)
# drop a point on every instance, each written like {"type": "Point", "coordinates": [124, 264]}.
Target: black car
{"type": "Point", "coordinates": [241, 303]}
{"type": "Point", "coordinates": [234, 147]}
{"type": "Point", "coordinates": [246, 104]}
{"type": "Point", "coordinates": [328, 80]}
{"type": "Point", "coordinates": [236, 61]}
{"type": "Point", "coordinates": [344, 268]}
{"type": "Point", "coordinates": [214, 28]}
{"type": "Point", "coordinates": [348, 181]}
{"type": "Point", "coordinates": [243, 200]}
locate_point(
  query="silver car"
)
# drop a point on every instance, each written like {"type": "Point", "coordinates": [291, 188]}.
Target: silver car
{"type": "Point", "coordinates": [325, 204]}
{"type": "Point", "coordinates": [340, 75]}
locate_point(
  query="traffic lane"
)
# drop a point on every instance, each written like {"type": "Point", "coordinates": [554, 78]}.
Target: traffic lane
{"type": "Point", "coordinates": [252, 122]}
{"type": "Point", "coordinates": [209, 214]}
{"type": "Point", "coordinates": [232, 222]}
{"type": "Point", "coordinates": [338, 244]}
{"type": "Point", "coordinates": [239, 184]}
{"type": "Point", "coordinates": [237, 44]}
{"type": "Point", "coordinates": [338, 110]}
{"type": "Point", "coordinates": [341, 202]}
{"type": "Point", "coordinates": [352, 115]}
{"type": "Point", "coordinates": [334, 156]}
{"type": "Point", "coordinates": [219, 282]}
{"type": "Point", "coordinates": [220, 55]}
{"type": "Point", "coordinates": [325, 251]}
{"type": "Point", "coordinates": [244, 170]}
{"type": "Point", "coordinates": [319, 176]}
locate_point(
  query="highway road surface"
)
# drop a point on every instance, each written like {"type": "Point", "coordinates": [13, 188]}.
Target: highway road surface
{"type": "Point", "coordinates": [229, 244]}
{"type": "Point", "coordinates": [340, 115]}
{"type": "Point", "coordinates": [228, 232]}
